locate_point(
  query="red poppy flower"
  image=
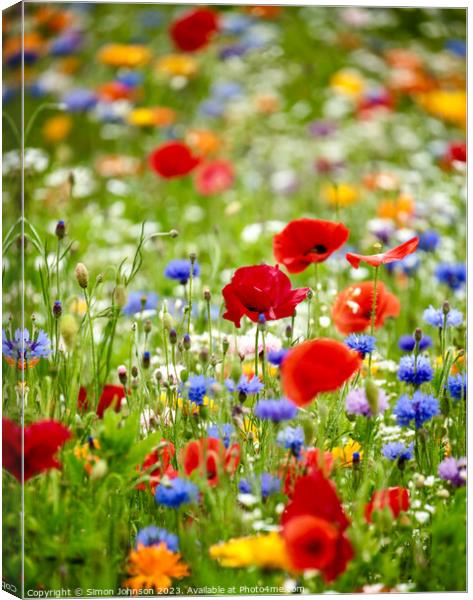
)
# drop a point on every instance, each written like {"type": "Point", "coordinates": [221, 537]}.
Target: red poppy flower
{"type": "Point", "coordinates": [394, 498]}
{"type": "Point", "coordinates": [194, 29]}
{"type": "Point", "coordinates": [351, 312]}
{"type": "Point", "coordinates": [311, 542]}
{"type": "Point", "coordinates": [455, 152]}
{"type": "Point", "coordinates": [260, 290]}
{"type": "Point", "coordinates": [310, 521]}
{"type": "Point", "coordinates": [160, 458]}
{"type": "Point", "coordinates": [375, 260]}
{"type": "Point", "coordinates": [316, 495]}
{"type": "Point", "coordinates": [210, 456]}
{"type": "Point", "coordinates": [111, 395]}
{"type": "Point", "coordinates": [214, 177]}
{"type": "Point", "coordinates": [42, 441]}
{"type": "Point", "coordinates": [315, 366]}
{"type": "Point", "coordinates": [306, 241]}
{"type": "Point", "coordinates": [173, 159]}
{"type": "Point", "coordinates": [307, 463]}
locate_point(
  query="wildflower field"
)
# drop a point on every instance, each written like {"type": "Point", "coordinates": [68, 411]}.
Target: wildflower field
{"type": "Point", "coordinates": [238, 348]}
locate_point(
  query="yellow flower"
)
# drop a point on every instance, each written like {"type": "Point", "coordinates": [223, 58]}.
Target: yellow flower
{"type": "Point", "coordinates": [342, 194]}
{"type": "Point", "coordinates": [78, 306]}
{"type": "Point", "coordinates": [449, 105]}
{"type": "Point", "coordinates": [154, 567]}
{"type": "Point", "coordinates": [124, 55]}
{"type": "Point", "coordinates": [57, 128]}
{"type": "Point", "coordinates": [176, 64]}
{"type": "Point", "coordinates": [151, 117]}
{"type": "Point", "coordinates": [265, 550]}
{"type": "Point", "coordinates": [347, 82]}
{"type": "Point", "coordinates": [345, 454]}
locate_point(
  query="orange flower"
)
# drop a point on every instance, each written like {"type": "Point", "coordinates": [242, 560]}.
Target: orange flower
{"type": "Point", "coordinates": [204, 141]}
{"type": "Point", "coordinates": [176, 64]}
{"type": "Point", "coordinates": [57, 128]}
{"type": "Point", "coordinates": [124, 55]}
{"type": "Point", "coordinates": [154, 567]}
{"type": "Point", "coordinates": [399, 210]}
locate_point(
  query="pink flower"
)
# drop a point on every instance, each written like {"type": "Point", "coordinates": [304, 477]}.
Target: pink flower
{"type": "Point", "coordinates": [214, 177]}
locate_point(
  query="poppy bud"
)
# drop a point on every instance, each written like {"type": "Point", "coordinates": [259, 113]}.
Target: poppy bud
{"type": "Point", "coordinates": [99, 470]}
{"type": "Point", "coordinates": [372, 395]}
{"type": "Point", "coordinates": [184, 375]}
{"type": "Point", "coordinates": [310, 294]}
{"type": "Point", "coordinates": [82, 275]}
{"type": "Point", "coordinates": [119, 296]}
{"type": "Point", "coordinates": [33, 318]}
{"type": "Point", "coordinates": [147, 326]}
{"type": "Point", "coordinates": [99, 278]}
{"type": "Point", "coordinates": [207, 295]}
{"type": "Point", "coordinates": [173, 336]}
{"type": "Point", "coordinates": [60, 230]}
{"type": "Point", "coordinates": [146, 360]}
{"type": "Point", "coordinates": [309, 431]}
{"type": "Point", "coordinates": [186, 340]}
{"type": "Point", "coordinates": [158, 375]}
{"type": "Point", "coordinates": [174, 233]}
{"type": "Point", "coordinates": [168, 321]}
{"type": "Point", "coordinates": [57, 309]}
{"type": "Point", "coordinates": [225, 345]}
{"type": "Point", "coordinates": [122, 374]}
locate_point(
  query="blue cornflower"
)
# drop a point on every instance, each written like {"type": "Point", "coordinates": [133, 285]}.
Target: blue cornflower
{"type": "Point", "coordinates": [397, 451]}
{"type": "Point", "coordinates": [153, 536]}
{"type": "Point", "coordinates": [180, 270]}
{"type": "Point", "coordinates": [138, 301]}
{"type": "Point", "coordinates": [291, 438]}
{"type": "Point", "coordinates": [79, 100]}
{"type": "Point", "coordinates": [420, 408]}
{"type": "Point", "coordinates": [453, 275]}
{"type": "Point", "coordinates": [235, 24]}
{"type": "Point", "coordinates": [130, 78]}
{"type": "Point", "coordinates": [226, 90]}
{"type": "Point", "coordinates": [457, 386]}
{"type": "Point", "coordinates": [407, 343]}
{"type": "Point", "coordinates": [245, 386]}
{"type": "Point", "coordinates": [22, 347]}
{"type": "Point", "coordinates": [212, 107]}
{"type": "Point", "coordinates": [408, 265]}
{"type": "Point", "coordinates": [364, 344]}
{"type": "Point", "coordinates": [223, 432]}
{"type": "Point", "coordinates": [176, 492]}
{"type": "Point", "coordinates": [196, 387]}
{"type": "Point", "coordinates": [68, 43]}
{"type": "Point", "coordinates": [275, 410]}
{"type": "Point", "coordinates": [429, 240]}
{"type": "Point", "coordinates": [415, 371]}
{"type": "Point", "coordinates": [456, 46]}
{"type": "Point", "coordinates": [268, 484]}
{"type": "Point", "coordinates": [275, 357]}
{"type": "Point", "coordinates": [434, 316]}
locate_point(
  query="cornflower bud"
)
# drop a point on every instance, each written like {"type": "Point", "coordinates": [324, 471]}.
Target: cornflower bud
{"type": "Point", "coordinates": [60, 230]}
{"type": "Point", "coordinates": [186, 341]}
{"type": "Point", "coordinates": [173, 336]}
{"type": "Point", "coordinates": [57, 309]}
{"type": "Point", "coordinates": [134, 371]}
{"type": "Point", "coordinates": [146, 359]}
{"type": "Point", "coordinates": [147, 326]}
{"type": "Point", "coordinates": [207, 295]}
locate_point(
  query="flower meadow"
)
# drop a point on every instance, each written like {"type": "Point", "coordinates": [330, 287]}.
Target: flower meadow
{"type": "Point", "coordinates": [234, 294]}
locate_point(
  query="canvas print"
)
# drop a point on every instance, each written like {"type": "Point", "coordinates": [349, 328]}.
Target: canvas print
{"type": "Point", "coordinates": [234, 299]}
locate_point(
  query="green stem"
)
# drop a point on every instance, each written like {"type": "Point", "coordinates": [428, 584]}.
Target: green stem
{"type": "Point", "coordinates": [210, 328]}
{"type": "Point", "coordinates": [316, 300]}
{"type": "Point", "coordinates": [373, 312]}
{"type": "Point", "coordinates": [256, 350]}
{"type": "Point", "coordinates": [92, 346]}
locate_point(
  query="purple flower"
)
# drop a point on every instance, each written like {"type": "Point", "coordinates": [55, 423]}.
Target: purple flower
{"type": "Point", "coordinates": [245, 386]}
{"type": "Point", "coordinates": [434, 316]}
{"type": "Point", "coordinates": [79, 100]}
{"type": "Point", "coordinates": [397, 451]}
{"type": "Point", "coordinates": [291, 438]}
{"type": "Point", "coordinates": [357, 403]}
{"type": "Point", "coordinates": [22, 347]}
{"type": "Point", "coordinates": [453, 471]}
